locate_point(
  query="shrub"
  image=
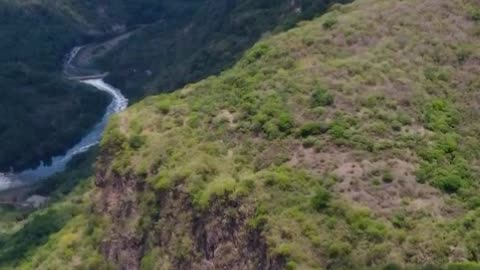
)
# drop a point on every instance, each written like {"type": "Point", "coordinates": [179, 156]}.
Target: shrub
{"type": "Point", "coordinates": [113, 138]}
{"type": "Point", "coordinates": [309, 142]}
{"type": "Point", "coordinates": [280, 178]}
{"type": "Point", "coordinates": [272, 119]}
{"type": "Point", "coordinates": [378, 128]}
{"type": "Point", "coordinates": [313, 129]}
{"type": "Point", "coordinates": [436, 74]}
{"type": "Point", "coordinates": [339, 249]}
{"type": "Point", "coordinates": [271, 130]}
{"type": "Point", "coordinates": [463, 52]}
{"type": "Point", "coordinates": [285, 122]}
{"type": "Point", "coordinates": [449, 183]}
{"type": "Point", "coordinates": [136, 141]}
{"type": "Point", "coordinates": [321, 97]}
{"type": "Point", "coordinates": [474, 13]}
{"type": "Point", "coordinates": [339, 130]}
{"type": "Point", "coordinates": [218, 187]}
{"type": "Point", "coordinates": [373, 101]}
{"type": "Point", "coordinates": [164, 106]}
{"type": "Point", "coordinates": [404, 119]}
{"type": "Point", "coordinates": [440, 116]}
{"type": "Point", "coordinates": [396, 125]}
{"type": "Point", "coordinates": [329, 22]}
{"type": "Point", "coordinates": [388, 176]}
{"type": "Point", "coordinates": [321, 199]}
{"type": "Point", "coordinates": [256, 53]}
{"type": "Point", "coordinates": [291, 265]}
{"type": "Point", "coordinates": [447, 143]}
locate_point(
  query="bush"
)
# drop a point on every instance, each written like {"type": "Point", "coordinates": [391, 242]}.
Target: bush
{"type": "Point", "coordinates": [396, 126]}
{"type": "Point", "coordinates": [329, 23]}
{"type": "Point", "coordinates": [474, 13]}
{"type": "Point", "coordinates": [309, 142]}
{"type": "Point", "coordinates": [339, 249]}
{"type": "Point", "coordinates": [449, 183]}
{"type": "Point", "coordinates": [388, 177]}
{"type": "Point", "coordinates": [321, 199]}
{"type": "Point", "coordinates": [271, 130]}
{"type": "Point", "coordinates": [436, 74]}
{"type": "Point", "coordinates": [220, 186]}
{"type": "Point", "coordinates": [313, 129]}
{"type": "Point", "coordinates": [440, 116]}
{"type": "Point", "coordinates": [339, 130]}
{"type": "Point", "coordinates": [257, 52]}
{"type": "Point", "coordinates": [321, 97]}
{"type": "Point", "coordinates": [272, 119]}
{"type": "Point", "coordinates": [291, 265]}
{"type": "Point", "coordinates": [136, 141]}
{"type": "Point", "coordinates": [284, 122]}
{"type": "Point", "coordinates": [164, 106]}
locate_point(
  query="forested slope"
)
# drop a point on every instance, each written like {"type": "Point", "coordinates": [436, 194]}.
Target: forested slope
{"type": "Point", "coordinates": [43, 114]}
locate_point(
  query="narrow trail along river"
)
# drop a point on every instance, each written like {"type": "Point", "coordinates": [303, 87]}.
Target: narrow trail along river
{"type": "Point", "coordinates": [58, 164]}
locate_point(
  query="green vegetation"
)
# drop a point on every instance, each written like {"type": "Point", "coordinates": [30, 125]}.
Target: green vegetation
{"type": "Point", "coordinates": [322, 97]}
{"type": "Point", "coordinates": [309, 121]}
{"type": "Point", "coordinates": [347, 142]}
{"type": "Point", "coordinates": [56, 236]}
{"type": "Point", "coordinates": [42, 115]}
{"type": "Point", "coordinates": [202, 40]}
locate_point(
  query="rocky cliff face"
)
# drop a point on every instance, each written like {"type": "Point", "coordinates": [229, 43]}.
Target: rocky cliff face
{"type": "Point", "coordinates": [165, 230]}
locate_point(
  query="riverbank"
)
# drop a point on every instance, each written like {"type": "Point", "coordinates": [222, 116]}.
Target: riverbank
{"type": "Point", "coordinates": [58, 164]}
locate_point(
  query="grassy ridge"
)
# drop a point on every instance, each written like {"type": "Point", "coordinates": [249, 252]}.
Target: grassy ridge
{"type": "Point", "coordinates": [196, 39]}
{"type": "Point", "coordinates": [353, 136]}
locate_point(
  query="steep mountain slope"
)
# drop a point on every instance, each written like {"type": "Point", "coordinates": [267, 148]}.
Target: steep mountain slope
{"type": "Point", "coordinates": [348, 142]}
{"type": "Point", "coordinates": [42, 114]}
{"type": "Point", "coordinates": [193, 42]}
{"type": "Point", "coordinates": [38, 34]}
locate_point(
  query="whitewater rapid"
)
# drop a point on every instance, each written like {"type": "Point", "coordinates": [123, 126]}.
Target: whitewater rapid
{"type": "Point", "coordinates": [58, 164]}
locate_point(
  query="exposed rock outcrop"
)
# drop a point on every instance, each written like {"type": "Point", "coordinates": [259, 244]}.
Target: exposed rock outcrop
{"type": "Point", "coordinates": [167, 226]}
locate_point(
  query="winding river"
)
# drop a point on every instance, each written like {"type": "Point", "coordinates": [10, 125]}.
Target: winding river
{"type": "Point", "coordinates": [58, 164]}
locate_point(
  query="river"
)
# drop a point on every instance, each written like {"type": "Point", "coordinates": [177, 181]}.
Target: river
{"type": "Point", "coordinates": [58, 164]}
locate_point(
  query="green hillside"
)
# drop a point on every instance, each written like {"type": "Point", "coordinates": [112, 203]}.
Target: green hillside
{"type": "Point", "coordinates": [347, 142]}
{"type": "Point", "coordinates": [46, 115]}
{"type": "Point", "coordinates": [196, 39]}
